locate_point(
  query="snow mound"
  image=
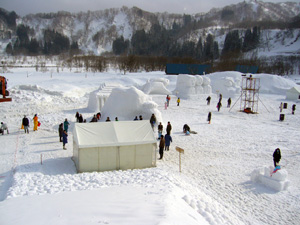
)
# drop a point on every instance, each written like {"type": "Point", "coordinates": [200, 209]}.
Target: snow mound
{"type": "Point", "coordinates": [188, 85]}
{"type": "Point", "coordinates": [274, 180]}
{"type": "Point", "coordinates": [98, 97]}
{"type": "Point", "coordinates": [229, 83]}
{"type": "Point", "coordinates": [127, 103]}
{"type": "Point", "coordinates": [34, 88]}
{"type": "Point", "coordinates": [156, 86]}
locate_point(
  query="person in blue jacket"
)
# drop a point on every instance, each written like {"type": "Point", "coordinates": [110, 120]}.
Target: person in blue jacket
{"type": "Point", "coordinates": [65, 139]}
{"type": "Point", "coordinates": [168, 140]}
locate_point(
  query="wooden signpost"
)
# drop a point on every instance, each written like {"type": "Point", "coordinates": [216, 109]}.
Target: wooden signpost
{"type": "Point", "coordinates": [180, 150]}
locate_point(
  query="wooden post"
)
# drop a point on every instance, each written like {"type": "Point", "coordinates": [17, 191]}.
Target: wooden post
{"type": "Point", "coordinates": [180, 150]}
{"type": "Point", "coordinates": [41, 159]}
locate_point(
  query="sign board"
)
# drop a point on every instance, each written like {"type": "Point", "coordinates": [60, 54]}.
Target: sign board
{"type": "Point", "coordinates": [180, 150]}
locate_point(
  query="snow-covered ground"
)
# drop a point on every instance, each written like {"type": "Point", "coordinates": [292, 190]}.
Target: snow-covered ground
{"type": "Point", "coordinates": [39, 183]}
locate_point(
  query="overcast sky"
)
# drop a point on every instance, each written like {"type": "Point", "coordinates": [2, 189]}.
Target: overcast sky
{"type": "Point", "coordinates": [24, 7]}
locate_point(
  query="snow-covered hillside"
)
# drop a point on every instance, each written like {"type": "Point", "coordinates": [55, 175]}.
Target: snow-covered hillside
{"type": "Point", "coordinates": [95, 31]}
{"type": "Point", "coordinates": [39, 183]}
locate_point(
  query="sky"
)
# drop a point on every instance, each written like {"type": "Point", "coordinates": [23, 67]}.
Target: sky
{"type": "Point", "coordinates": [24, 7]}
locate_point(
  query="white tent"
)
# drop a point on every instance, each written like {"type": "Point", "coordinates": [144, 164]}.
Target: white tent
{"type": "Point", "coordinates": [113, 145]}
{"type": "Point", "coordinates": [293, 93]}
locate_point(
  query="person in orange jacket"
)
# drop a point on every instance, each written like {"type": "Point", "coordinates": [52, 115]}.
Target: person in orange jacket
{"type": "Point", "coordinates": [35, 122]}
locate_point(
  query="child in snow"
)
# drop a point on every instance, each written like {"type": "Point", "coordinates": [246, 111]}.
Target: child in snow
{"type": "Point", "coordinates": [3, 128]}
{"type": "Point", "coordinates": [35, 122]}
{"type": "Point", "coordinates": [65, 139]}
{"type": "Point", "coordinates": [178, 101]}
{"type": "Point", "coordinates": [208, 100]}
{"type": "Point", "coordinates": [276, 156]}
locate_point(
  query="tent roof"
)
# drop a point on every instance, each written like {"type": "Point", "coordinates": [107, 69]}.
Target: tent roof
{"type": "Point", "coordinates": [114, 133]}
{"type": "Point", "coordinates": [295, 89]}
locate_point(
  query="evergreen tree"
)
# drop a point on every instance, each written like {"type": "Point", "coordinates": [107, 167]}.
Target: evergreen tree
{"type": "Point", "coordinates": [233, 43]}
{"type": "Point", "coordinates": [120, 46]}
{"type": "Point", "coordinates": [9, 49]}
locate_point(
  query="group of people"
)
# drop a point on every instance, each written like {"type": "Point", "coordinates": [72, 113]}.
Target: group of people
{"type": "Point", "coordinates": [63, 132]}
{"type": "Point", "coordinates": [165, 140]}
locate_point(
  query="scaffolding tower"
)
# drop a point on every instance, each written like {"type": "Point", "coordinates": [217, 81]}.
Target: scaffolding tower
{"type": "Point", "coordinates": [249, 94]}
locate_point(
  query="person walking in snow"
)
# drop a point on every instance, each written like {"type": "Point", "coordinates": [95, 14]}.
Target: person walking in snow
{"type": "Point", "coordinates": [209, 117]}
{"type": "Point", "coordinates": [220, 97]}
{"type": "Point", "coordinates": [60, 132]}
{"type": "Point", "coordinates": [178, 101]}
{"type": "Point", "coordinates": [65, 139]}
{"type": "Point", "coordinates": [169, 128]}
{"type": "Point", "coordinates": [136, 118]}
{"type": "Point", "coordinates": [66, 125]}
{"type": "Point", "coordinates": [107, 119]}
{"type": "Point", "coordinates": [77, 117]}
{"type": "Point", "coordinates": [4, 127]}
{"type": "Point", "coordinates": [219, 105]}
{"type": "Point", "coordinates": [293, 108]}
{"type": "Point", "coordinates": [161, 146]}
{"type": "Point", "coordinates": [153, 121]}
{"type": "Point", "coordinates": [160, 128]}
{"type": "Point", "coordinates": [208, 100]}
{"type": "Point", "coordinates": [141, 117]}
{"type": "Point", "coordinates": [228, 102]}
{"type": "Point", "coordinates": [168, 98]}
{"type": "Point", "coordinates": [35, 122]}
{"type": "Point", "coordinates": [25, 124]}
{"type": "Point", "coordinates": [168, 140]}
{"type": "Point", "coordinates": [276, 156]}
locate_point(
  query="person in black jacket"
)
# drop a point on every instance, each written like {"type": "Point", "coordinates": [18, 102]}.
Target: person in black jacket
{"type": "Point", "coordinates": [209, 117]}
{"type": "Point", "coordinates": [276, 156]}
{"type": "Point", "coordinates": [60, 132]}
{"type": "Point", "coordinates": [169, 128]}
{"type": "Point", "coordinates": [25, 123]}
{"type": "Point", "coordinates": [208, 100]}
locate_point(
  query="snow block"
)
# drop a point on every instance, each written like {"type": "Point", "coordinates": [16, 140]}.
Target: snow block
{"type": "Point", "coordinates": [277, 181]}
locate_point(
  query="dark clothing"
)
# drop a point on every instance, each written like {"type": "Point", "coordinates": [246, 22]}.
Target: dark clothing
{"type": "Point", "coordinates": [168, 140]}
{"type": "Point", "coordinates": [65, 138]}
{"type": "Point", "coordinates": [160, 127]}
{"type": "Point", "coordinates": [293, 109]}
{"type": "Point", "coordinates": [161, 147]}
{"type": "Point", "coordinates": [219, 105]}
{"type": "Point", "coordinates": [208, 100]}
{"type": "Point", "coordinates": [168, 129]}
{"type": "Point", "coordinates": [77, 117]}
{"type": "Point", "coordinates": [152, 120]}
{"type": "Point", "coordinates": [94, 119]}
{"type": "Point", "coordinates": [60, 132]}
{"type": "Point", "coordinates": [186, 128]}
{"type": "Point", "coordinates": [229, 102]}
{"type": "Point", "coordinates": [209, 117]}
{"type": "Point", "coordinates": [25, 121]}
{"type": "Point", "coordinates": [80, 119]}
{"type": "Point", "coordinates": [276, 156]}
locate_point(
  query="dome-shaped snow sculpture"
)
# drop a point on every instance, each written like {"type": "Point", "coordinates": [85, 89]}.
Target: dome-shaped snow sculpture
{"type": "Point", "coordinates": [126, 103]}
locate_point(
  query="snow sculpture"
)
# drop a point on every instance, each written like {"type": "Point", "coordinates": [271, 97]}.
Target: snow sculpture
{"type": "Point", "coordinates": [188, 85]}
{"type": "Point", "coordinates": [126, 103]}
{"type": "Point", "coordinates": [98, 97]}
{"type": "Point", "coordinates": [156, 86]}
{"type": "Point", "coordinates": [267, 176]}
